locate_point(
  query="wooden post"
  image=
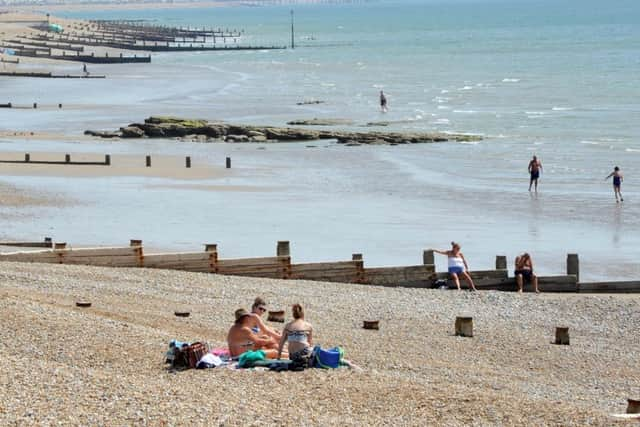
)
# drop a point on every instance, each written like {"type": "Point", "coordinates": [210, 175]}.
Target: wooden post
{"type": "Point", "coordinates": [283, 248]}
{"type": "Point", "coordinates": [187, 161]}
{"type": "Point", "coordinates": [228, 162]}
{"type": "Point", "coordinates": [427, 257]}
{"type": "Point", "coordinates": [573, 265]}
{"type": "Point", "coordinates": [107, 159]}
{"type": "Point", "coordinates": [633, 406]}
{"type": "Point", "coordinates": [27, 157]}
{"type": "Point", "coordinates": [67, 158]}
{"type": "Point", "coordinates": [562, 336]}
{"type": "Point", "coordinates": [356, 257]}
{"type": "Point", "coordinates": [501, 262]}
{"type": "Point", "coordinates": [464, 326]}
{"type": "Point", "coordinates": [210, 247]}
{"type": "Point", "coordinates": [135, 242]}
{"type": "Point", "coordinates": [148, 161]}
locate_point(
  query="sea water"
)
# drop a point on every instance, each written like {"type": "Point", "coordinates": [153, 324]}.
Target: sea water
{"type": "Point", "coordinates": [554, 79]}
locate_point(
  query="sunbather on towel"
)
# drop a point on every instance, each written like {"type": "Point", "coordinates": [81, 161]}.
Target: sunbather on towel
{"type": "Point", "coordinates": [241, 338]}
{"type": "Point", "coordinates": [258, 309]}
{"type": "Point", "coordinates": [299, 334]}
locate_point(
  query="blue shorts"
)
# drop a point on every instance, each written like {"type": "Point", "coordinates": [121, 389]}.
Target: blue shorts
{"type": "Point", "coordinates": [456, 270]}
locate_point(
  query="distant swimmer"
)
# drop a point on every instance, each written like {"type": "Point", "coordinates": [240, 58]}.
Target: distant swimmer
{"type": "Point", "coordinates": [535, 167]}
{"type": "Point", "coordinates": [617, 183]}
{"type": "Point", "coordinates": [383, 102]}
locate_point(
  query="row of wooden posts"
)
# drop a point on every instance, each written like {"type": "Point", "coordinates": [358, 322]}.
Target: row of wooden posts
{"type": "Point", "coordinates": [281, 267]}
{"type": "Point", "coordinates": [106, 162]}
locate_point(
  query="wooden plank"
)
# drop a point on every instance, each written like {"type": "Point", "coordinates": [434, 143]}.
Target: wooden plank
{"type": "Point", "coordinates": [28, 244]}
{"type": "Point", "coordinates": [184, 265]}
{"type": "Point", "coordinates": [273, 275]}
{"type": "Point", "coordinates": [241, 262]}
{"type": "Point", "coordinates": [325, 265]}
{"type": "Point", "coordinates": [99, 252]}
{"type": "Point", "coordinates": [411, 276]}
{"type": "Point", "coordinates": [122, 261]}
{"type": "Point", "coordinates": [44, 257]}
{"type": "Point", "coordinates": [177, 257]}
{"type": "Point", "coordinates": [253, 269]}
{"type": "Point", "coordinates": [632, 286]}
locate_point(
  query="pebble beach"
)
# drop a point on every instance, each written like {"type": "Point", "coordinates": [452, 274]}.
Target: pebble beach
{"type": "Point", "coordinates": [103, 365]}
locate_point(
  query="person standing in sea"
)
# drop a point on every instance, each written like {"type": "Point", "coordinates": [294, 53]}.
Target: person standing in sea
{"type": "Point", "coordinates": [535, 167]}
{"type": "Point", "coordinates": [617, 183]}
{"type": "Point", "coordinates": [383, 102]}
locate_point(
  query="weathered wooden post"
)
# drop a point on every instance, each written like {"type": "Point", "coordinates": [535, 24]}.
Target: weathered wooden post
{"type": "Point", "coordinates": [573, 265]}
{"type": "Point", "coordinates": [562, 336]}
{"type": "Point", "coordinates": [67, 158]}
{"type": "Point", "coordinates": [464, 326]}
{"type": "Point", "coordinates": [501, 262]}
{"type": "Point", "coordinates": [356, 257]}
{"type": "Point", "coordinates": [283, 248]}
{"type": "Point", "coordinates": [148, 160]}
{"type": "Point", "coordinates": [427, 257]}
{"type": "Point", "coordinates": [27, 157]}
{"type": "Point", "coordinates": [135, 243]}
{"type": "Point", "coordinates": [107, 159]}
{"type": "Point", "coordinates": [228, 162]}
{"type": "Point", "coordinates": [187, 161]}
{"type": "Point", "coordinates": [633, 406]}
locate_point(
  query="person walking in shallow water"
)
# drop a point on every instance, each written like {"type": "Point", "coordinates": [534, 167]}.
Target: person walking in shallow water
{"type": "Point", "coordinates": [617, 183]}
{"type": "Point", "coordinates": [535, 167]}
{"type": "Point", "coordinates": [383, 102]}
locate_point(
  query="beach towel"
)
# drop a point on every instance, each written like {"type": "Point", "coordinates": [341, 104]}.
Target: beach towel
{"type": "Point", "coordinates": [248, 359]}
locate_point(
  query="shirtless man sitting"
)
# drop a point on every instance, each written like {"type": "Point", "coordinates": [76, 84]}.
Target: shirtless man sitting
{"type": "Point", "coordinates": [241, 338]}
{"type": "Point", "coordinates": [524, 271]}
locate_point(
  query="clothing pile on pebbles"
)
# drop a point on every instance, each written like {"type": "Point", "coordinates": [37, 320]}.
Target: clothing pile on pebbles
{"type": "Point", "coordinates": [104, 365]}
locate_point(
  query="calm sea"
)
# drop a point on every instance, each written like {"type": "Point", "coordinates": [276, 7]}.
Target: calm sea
{"type": "Point", "coordinates": [558, 79]}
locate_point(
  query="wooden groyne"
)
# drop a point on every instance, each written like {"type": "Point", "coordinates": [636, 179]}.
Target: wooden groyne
{"type": "Point", "coordinates": [46, 75]}
{"type": "Point", "coordinates": [125, 36]}
{"type": "Point", "coordinates": [281, 266]}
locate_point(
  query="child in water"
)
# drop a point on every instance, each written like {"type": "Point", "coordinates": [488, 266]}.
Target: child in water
{"type": "Point", "coordinates": [617, 183]}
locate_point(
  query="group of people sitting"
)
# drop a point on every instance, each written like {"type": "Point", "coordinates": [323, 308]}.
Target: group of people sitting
{"type": "Point", "coordinates": [249, 332]}
{"type": "Point", "coordinates": [457, 266]}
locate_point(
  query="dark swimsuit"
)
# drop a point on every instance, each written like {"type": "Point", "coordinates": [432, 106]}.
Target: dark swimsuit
{"type": "Point", "coordinates": [616, 181]}
{"type": "Point", "coordinates": [526, 274]}
{"type": "Point", "coordinates": [535, 175]}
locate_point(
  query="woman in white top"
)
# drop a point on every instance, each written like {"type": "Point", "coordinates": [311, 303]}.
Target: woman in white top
{"type": "Point", "coordinates": [457, 265]}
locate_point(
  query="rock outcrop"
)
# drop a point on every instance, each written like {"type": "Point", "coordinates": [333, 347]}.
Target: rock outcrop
{"type": "Point", "coordinates": [201, 130]}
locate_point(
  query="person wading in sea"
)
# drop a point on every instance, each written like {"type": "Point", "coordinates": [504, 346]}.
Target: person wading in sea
{"type": "Point", "coordinates": [617, 183]}
{"type": "Point", "coordinates": [383, 102]}
{"type": "Point", "coordinates": [535, 167]}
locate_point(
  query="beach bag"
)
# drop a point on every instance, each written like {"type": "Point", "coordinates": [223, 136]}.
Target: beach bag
{"type": "Point", "coordinates": [328, 359]}
{"type": "Point", "coordinates": [193, 353]}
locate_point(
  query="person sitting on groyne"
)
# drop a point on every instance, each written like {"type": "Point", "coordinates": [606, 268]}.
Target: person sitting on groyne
{"type": "Point", "coordinates": [524, 272]}
{"type": "Point", "coordinates": [242, 339]}
{"type": "Point", "coordinates": [457, 265]}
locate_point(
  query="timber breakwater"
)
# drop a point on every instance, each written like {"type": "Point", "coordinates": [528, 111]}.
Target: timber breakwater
{"type": "Point", "coordinates": [205, 131]}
